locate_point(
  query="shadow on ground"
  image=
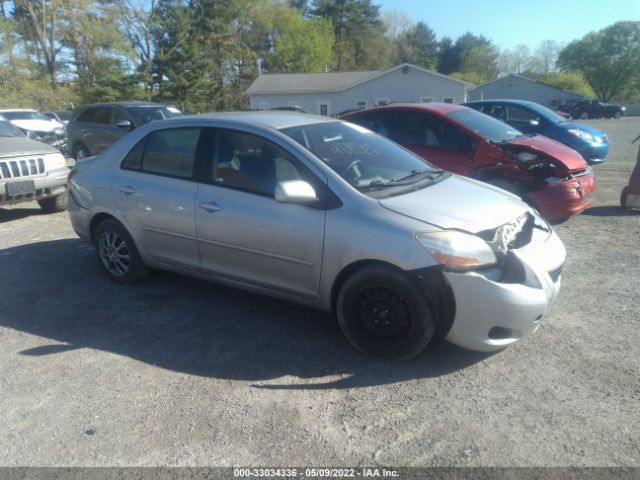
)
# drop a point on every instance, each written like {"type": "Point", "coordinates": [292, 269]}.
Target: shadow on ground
{"type": "Point", "coordinates": [8, 215]}
{"type": "Point", "coordinates": [58, 291]}
{"type": "Point", "coordinates": [610, 211]}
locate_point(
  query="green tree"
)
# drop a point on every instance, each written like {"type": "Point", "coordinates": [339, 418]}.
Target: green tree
{"type": "Point", "coordinates": [299, 44]}
{"type": "Point", "coordinates": [419, 46]}
{"type": "Point", "coordinates": [40, 24]}
{"type": "Point", "coordinates": [359, 33]}
{"type": "Point", "coordinates": [448, 58]}
{"type": "Point", "coordinates": [97, 49]}
{"type": "Point", "coordinates": [609, 59]}
{"type": "Point", "coordinates": [573, 81]}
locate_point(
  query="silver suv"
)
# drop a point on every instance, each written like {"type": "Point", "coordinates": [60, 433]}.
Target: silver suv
{"type": "Point", "coordinates": [326, 214]}
{"type": "Point", "coordinates": [92, 128]}
{"type": "Point", "coordinates": [31, 170]}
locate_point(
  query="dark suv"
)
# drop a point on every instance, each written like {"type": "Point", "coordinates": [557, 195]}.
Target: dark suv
{"type": "Point", "coordinates": [93, 128]}
{"type": "Point", "coordinates": [595, 109]}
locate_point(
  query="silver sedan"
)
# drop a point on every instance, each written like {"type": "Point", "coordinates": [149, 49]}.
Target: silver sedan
{"type": "Point", "coordinates": [326, 214]}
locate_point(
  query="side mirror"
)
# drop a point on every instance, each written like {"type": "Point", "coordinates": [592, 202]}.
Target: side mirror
{"type": "Point", "coordinates": [124, 124]}
{"type": "Point", "coordinates": [295, 191]}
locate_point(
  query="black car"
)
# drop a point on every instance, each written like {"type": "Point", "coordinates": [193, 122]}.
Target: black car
{"type": "Point", "coordinates": [595, 109]}
{"type": "Point", "coordinates": [92, 128]}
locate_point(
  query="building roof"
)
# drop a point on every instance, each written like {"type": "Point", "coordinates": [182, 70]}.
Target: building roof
{"type": "Point", "coordinates": [286, 83]}
{"type": "Point", "coordinates": [513, 75]}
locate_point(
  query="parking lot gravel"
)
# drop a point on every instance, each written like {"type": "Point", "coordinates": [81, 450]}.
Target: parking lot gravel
{"type": "Point", "coordinates": [180, 372]}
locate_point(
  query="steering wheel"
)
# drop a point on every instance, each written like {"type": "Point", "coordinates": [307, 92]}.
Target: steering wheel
{"type": "Point", "coordinates": [352, 166]}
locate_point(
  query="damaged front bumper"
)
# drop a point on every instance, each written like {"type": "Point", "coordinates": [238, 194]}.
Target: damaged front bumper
{"type": "Point", "coordinates": [499, 306]}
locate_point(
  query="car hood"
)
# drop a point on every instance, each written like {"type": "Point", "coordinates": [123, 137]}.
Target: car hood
{"type": "Point", "coordinates": [38, 125]}
{"type": "Point", "coordinates": [571, 159]}
{"type": "Point", "coordinates": [580, 126]}
{"type": "Point", "coordinates": [460, 203]}
{"type": "Point", "coordinates": [21, 146]}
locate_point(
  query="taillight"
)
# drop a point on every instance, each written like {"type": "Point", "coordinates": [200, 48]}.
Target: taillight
{"type": "Point", "coordinates": [72, 174]}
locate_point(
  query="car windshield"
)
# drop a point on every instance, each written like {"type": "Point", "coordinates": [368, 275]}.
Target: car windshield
{"type": "Point", "coordinates": [484, 125]}
{"type": "Point", "coordinates": [64, 115]}
{"type": "Point", "coordinates": [21, 115]}
{"type": "Point", "coordinates": [144, 115]}
{"type": "Point", "coordinates": [8, 130]}
{"type": "Point", "coordinates": [547, 113]}
{"type": "Point", "coordinates": [365, 159]}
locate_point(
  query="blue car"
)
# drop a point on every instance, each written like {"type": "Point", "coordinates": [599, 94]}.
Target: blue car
{"type": "Point", "coordinates": [531, 117]}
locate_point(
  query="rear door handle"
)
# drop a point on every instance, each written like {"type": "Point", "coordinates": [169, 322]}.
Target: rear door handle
{"type": "Point", "coordinates": [210, 206]}
{"type": "Point", "coordinates": [127, 190]}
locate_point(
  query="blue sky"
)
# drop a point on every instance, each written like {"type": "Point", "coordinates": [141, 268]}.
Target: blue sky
{"type": "Point", "coordinates": [510, 22]}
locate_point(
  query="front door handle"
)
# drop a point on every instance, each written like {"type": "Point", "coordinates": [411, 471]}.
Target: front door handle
{"type": "Point", "coordinates": [210, 206]}
{"type": "Point", "coordinates": [127, 190]}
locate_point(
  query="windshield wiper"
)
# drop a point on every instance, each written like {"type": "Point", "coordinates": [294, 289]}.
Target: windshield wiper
{"type": "Point", "coordinates": [415, 172]}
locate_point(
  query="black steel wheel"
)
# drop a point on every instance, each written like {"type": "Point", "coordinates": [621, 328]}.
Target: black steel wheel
{"type": "Point", "coordinates": [117, 253]}
{"type": "Point", "coordinates": [383, 313]}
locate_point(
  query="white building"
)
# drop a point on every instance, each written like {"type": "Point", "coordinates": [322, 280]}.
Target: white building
{"type": "Point", "coordinates": [335, 92]}
{"type": "Point", "coordinates": [517, 87]}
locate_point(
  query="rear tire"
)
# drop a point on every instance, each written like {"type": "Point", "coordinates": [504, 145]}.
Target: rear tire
{"type": "Point", "coordinates": [118, 254]}
{"type": "Point", "coordinates": [54, 204]}
{"type": "Point", "coordinates": [623, 197]}
{"type": "Point", "coordinates": [584, 116]}
{"type": "Point", "coordinates": [383, 313]}
{"type": "Point", "coordinates": [80, 152]}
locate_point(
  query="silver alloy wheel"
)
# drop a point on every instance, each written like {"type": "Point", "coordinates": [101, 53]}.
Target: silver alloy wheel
{"type": "Point", "coordinates": [80, 154]}
{"type": "Point", "coordinates": [114, 253]}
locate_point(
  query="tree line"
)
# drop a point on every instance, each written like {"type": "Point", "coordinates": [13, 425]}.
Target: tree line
{"type": "Point", "coordinates": [201, 55]}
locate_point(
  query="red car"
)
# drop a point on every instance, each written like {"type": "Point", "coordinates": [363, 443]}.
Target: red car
{"type": "Point", "coordinates": [552, 177]}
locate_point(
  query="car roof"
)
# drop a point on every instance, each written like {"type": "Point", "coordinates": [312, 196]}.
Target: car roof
{"type": "Point", "coordinates": [442, 108]}
{"type": "Point", "coordinates": [513, 101]}
{"type": "Point", "coordinates": [17, 110]}
{"type": "Point", "coordinates": [129, 104]}
{"type": "Point", "coordinates": [277, 119]}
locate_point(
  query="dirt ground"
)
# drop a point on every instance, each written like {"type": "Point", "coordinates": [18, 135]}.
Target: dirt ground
{"type": "Point", "coordinates": [176, 371]}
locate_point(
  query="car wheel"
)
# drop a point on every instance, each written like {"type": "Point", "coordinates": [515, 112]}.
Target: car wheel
{"type": "Point", "coordinates": [584, 116]}
{"type": "Point", "coordinates": [80, 152]}
{"type": "Point", "coordinates": [383, 313]}
{"type": "Point", "coordinates": [54, 204]}
{"type": "Point", "coordinates": [617, 115]}
{"type": "Point", "coordinates": [118, 254]}
{"type": "Point", "coordinates": [623, 197]}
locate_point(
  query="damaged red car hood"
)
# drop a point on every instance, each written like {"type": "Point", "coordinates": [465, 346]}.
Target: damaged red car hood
{"type": "Point", "coordinates": [571, 159]}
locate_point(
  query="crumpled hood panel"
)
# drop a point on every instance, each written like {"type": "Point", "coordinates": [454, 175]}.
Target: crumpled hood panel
{"type": "Point", "coordinates": [571, 159]}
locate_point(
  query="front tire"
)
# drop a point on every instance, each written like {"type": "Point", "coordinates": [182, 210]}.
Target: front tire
{"type": "Point", "coordinates": [383, 313]}
{"type": "Point", "coordinates": [54, 204]}
{"type": "Point", "coordinates": [118, 254]}
{"type": "Point", "coordinates": [584, 116]}
{"type": "Point", "coordinates": [617, 115]}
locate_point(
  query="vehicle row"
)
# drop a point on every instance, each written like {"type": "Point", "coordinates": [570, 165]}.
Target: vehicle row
{"type": "Point", "coordinates": [550, 176]}
{"type": "Point", "coordinates": [324, 213]}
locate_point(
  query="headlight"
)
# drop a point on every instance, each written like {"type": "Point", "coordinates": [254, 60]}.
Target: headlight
{"type": "Point", "coordinates": [457, 250]}
{"type": "Point", "coordinates": [525, 156]}
{"type": "Point", "coordinates": [59, 131]}
{"type": "Point", "coordinates": [581, 134]}
{"type": "Point", "coordinates": [54, 161]}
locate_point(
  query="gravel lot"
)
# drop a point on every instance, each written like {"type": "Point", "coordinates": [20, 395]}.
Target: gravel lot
{"type": "Point", "coordinates": [176, 371]}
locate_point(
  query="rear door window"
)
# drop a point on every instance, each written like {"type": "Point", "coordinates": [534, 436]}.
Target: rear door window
{"type": "Point", "coordinates": [170, 152]}
{"type": "Point", "coordinates": [99, 115]}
